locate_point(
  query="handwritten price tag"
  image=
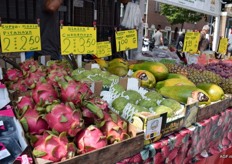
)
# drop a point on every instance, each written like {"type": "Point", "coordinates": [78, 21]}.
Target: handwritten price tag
{"type": "Point", "coordinates": [191, 41]}
{"type": "Point", "coordinates": [222, 49]}
{"type": "Point", "coordinates": [20, 37]}
{"type": "Point", "coordinates": [103, 49]}
{"type": "Point", "coordinates": [78, 40]}
{"type": "Point", "coordinates": [126, 40]}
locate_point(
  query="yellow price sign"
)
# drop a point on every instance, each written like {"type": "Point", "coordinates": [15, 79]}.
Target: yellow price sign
{"type": "Point", "coordinates": [222, 49]}
{"type": "Point", "coordinates": [20, 37]}
{"type": "Point", "coordinates": [126, 40]}
{"type": "Point", "coordinates": [78, 40]}
{"type": "Point", "coordinates": [103, 49]}
{"type": "Point", "coordinates": [191, 41]}
{"type": "Point", "coordinates": [0, 31]}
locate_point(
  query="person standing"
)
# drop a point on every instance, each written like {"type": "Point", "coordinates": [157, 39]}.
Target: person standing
{"type": "Point", "coordinates": [158, 37]}
{"type": "Point", "coordinates": [204, 40]}
{"type": "Point", "coordinates": [47, 12]}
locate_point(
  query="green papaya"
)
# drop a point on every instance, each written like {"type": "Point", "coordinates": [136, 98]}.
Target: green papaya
{"type": "Point", "coordinates": [119, 71]}
{"type": "Point", "coordinates": [176, 75]}
{"type": "Point", "coordinates": [173, 82]}
{"type": "Point", "coordinates": [159, 70]}
{"type": "Point", "coordinates": [182, 93]}
{"type": "Point", "coordinates": [118, 62]}
{"type": "Point", "coordinates": [214, 91]}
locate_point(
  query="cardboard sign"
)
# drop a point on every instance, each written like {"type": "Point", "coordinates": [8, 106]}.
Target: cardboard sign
{"type": "Point", "coordinates": [126, 40]}
{"type": "Point", "coordinates": [20, 37]}
{"type": "Point", "coordinates": [78, 40]}
{"type": "Point", "coordinates": [191, 41]}
{"type": "Point", "coordinates": [222, 49]}
{"type": "Point", "coordinates": [103, 49]}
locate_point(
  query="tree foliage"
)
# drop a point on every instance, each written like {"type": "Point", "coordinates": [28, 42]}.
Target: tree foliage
{"type": "Point", "coordinates": [176, 15]}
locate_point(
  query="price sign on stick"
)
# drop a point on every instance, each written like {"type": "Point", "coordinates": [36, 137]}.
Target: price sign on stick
{"type": "Point", "coordinates": [103, 49]}
{"type": "Point", "coordinates": [222, 49]}
{"type": "Point", "coordinates": [20, 37]}
{"type": "Point", "coordinates": [126, 40]}
{"type": "Point", "coordinates": [78, 40]}
{"type": "Point", "coordinates": [191, 41]}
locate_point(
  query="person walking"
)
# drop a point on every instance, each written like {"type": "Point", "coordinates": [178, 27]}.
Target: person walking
{"type": "Point", "coordinates": [47, 12]}
{"type": "Point", "coordinates": [158, 37]}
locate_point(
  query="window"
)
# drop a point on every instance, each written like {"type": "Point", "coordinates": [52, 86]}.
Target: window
{"type": "Point", "coordinates": [157, 7]}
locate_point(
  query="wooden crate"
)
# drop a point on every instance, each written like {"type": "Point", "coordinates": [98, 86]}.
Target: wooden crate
{"type": "Point", "coordinates": [111, 153]}
{"type": "Point", "coordinates": [213, 109]}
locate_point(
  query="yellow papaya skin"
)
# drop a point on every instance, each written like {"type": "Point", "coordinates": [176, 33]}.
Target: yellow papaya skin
{"type": "Point", "coordinates": [173, 82]}
{"type": "Point", "coordinates": [159, 70]}
{"type": "Point", "coordinates": [182, 93]}
{"type": "Point", "coordinates": [214, 91]}
{"type": "Point", "coordinates": [147, 79]}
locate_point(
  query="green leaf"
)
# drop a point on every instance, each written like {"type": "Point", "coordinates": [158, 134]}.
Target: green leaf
{"type": "Point", "coordinates": [38, 153]}
{"type": "Point", "coordinates": [114, 117]}
{"type": "Point", "coordinates": [24, 123]}
{"type": "Point", "coordinates": [63, 119]}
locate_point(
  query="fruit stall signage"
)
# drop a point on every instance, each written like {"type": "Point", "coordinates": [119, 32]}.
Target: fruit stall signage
{"type": "Point", "coordinates": [78, 40]}
{"type": "Point", "coordinates": [20, 37]}
{"type": "Point", "coordinates": [191, 41]}
{"type": "Point", "coordinates": [126, 40]}
{"type": "Point", "coordinates": [103, 49]}
{"type": "Point", "coordinates": [222, 49]}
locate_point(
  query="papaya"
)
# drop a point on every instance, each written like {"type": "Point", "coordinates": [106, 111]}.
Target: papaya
{"type": "Point", "coordinates": [159, 70]}
{"type": "Point", "coordinates": [214, 91]}
{"type": "Point", "coordinates": [119, 71]}
{"type": "Point", "coordinates": [176, 75]}
{"type": "Point", "coordinates": [118, 62]}
{"type": "Point", "coordinates": [173, 82]}
{"type": "Point", "coordinates": [182, 93]}
{"type": "Point", "coordinates": [147, 79]}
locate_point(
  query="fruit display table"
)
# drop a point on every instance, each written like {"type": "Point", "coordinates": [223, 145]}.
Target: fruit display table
{"type": "Point", "coordinates": [202, 139]}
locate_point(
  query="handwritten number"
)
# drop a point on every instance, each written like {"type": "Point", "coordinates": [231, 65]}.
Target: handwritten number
{"type": "Point", "coordinates": [68, 44]}
{"type": "Point", "coordinates": [8, 43]}
{"type": "Point", "coordinates": [31, 40]}
{"type": "Point", "coordinates": [23, 38]}
{"type": "Point", "coordinates": [37, 39]}
{"type": "Point", "coordinates": [82, 45]}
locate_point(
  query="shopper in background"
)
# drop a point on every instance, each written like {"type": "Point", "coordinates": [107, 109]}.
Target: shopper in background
{"type": "Point", "coordinates": [204, 40]}
{"type": "Point", "coordinates": [158, 37]}
{"type": "Point", "coordinates": [180, 42]}
{"type": "Point", "coordinates": [47, 12]}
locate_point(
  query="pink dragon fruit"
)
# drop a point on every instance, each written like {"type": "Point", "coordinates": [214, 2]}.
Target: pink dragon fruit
{"type": "Point", "coordinates": [53, 148]}
{"type": "Point", "coordinates": [29, 65]}
{"type": "Point", "coordinates": [18, 86]}
{"type": "Point", "coordinates": [89, 116]}
{"type": "Point", "coordinates": [73, 91]}
{"type": "Point", "coordinates": [33, 77]}
{"type": "Point", "coordinates": [114, 128]}
{"type": "Point", "coordinates": [24, 103]}
{"type": "Point", "coordinates": [44, 93]}
{"type": "Point", "coordinates": [13, 74]}
{"type": "Point", "coordinates": [56, 75]}
{"type": "Point", "coordinates": [90, 139]}
{"type": "Point", "coordinates": [64, 118]}
{"type": "Point", "coordinates": [78, 93]}
{"type": "Point", "coordinates": [33, 122]}
{"type": "Point", "coordinates": [59, 65]}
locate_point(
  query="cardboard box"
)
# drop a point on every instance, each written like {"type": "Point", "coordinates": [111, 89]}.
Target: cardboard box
{"type": "Point", "coordinates": [165, 126]}
{"type": "Point", "coordinates": [214, 108]}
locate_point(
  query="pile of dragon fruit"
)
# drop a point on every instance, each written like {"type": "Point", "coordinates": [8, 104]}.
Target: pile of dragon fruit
{"type": "Point", "coordinates": [62, 117]}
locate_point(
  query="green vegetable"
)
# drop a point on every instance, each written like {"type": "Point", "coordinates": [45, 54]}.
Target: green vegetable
{"type": "Point", "coordinates": [173, 104]}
